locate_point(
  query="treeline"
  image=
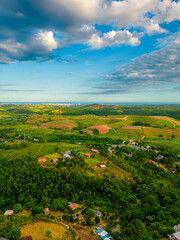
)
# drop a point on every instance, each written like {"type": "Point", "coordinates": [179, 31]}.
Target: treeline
{"type": "Point", "coordinates": [151, 111]}
{"type": "Point", "coordinates": [71, 138]}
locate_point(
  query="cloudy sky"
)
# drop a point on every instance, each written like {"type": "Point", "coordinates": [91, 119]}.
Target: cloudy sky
{"type": "Point", "coordinates": [90, 50]}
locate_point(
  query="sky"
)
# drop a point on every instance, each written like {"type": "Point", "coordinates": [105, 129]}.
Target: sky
{"type": "Point", "coordinates": [89, 51]}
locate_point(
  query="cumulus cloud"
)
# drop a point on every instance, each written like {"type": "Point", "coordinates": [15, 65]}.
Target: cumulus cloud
{"type": "Point", "coordinates": [28, 27]}
{"type": "Point", "coordinates": [113, 38]}
{"type": "Point", "coordinates": [157, 70]}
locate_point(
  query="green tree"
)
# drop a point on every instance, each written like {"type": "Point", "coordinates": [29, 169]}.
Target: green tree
{"type": "Point", "coordinates": [97, 219]}
{"type": "Point", "coordinates": [17, 208]}
{"type": "Point", "coordinates": [14, 234]}
{"type": "Point", "coordinates": [137, 230]}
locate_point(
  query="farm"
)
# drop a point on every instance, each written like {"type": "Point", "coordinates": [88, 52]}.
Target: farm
{"type": "Point", "coordinates": [98, 159]}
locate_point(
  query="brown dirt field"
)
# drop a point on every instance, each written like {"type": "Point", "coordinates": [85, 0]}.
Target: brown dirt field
{"type": "Point", "coordinates": [85, 233]}
{"type": "Point", "coordinates": [42, 159]}
{"type": "Point", "coordinates": [38, 230]}
{"type": "Point", "coordinates": [101, 128]}
{"type": "Point", "coordinates": [123, 118]}
{"type": "Point", "coordinates": [174, 122]}
{"type": "Point", "coordinates": [132, 127]}
{"type": "Point", "coordinates": [64, 124]}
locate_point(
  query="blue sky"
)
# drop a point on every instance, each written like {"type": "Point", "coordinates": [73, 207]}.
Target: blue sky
{"type": "Point", "coordinates": [89, 51]}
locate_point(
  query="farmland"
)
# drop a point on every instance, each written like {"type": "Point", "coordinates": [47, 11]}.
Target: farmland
{"type": "Point", "coordinates": [98, 157]}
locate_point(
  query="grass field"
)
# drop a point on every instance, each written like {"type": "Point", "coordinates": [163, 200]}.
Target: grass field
{"type": "Point", "coordinates": [38, 231]}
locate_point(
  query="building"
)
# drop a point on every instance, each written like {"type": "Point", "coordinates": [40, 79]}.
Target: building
{"type": "Point", "coordinates": [103, 234]}
{"type": "Point", "coordinates": [72, 206]}
{"type": "Point", "coordinates": [102, 166]}
{"type": "Point", "coordinates": [46, 211]}
{"type": "Point", "coordinates": [26, 238]}
{"type": "Point", "coordinates": [95, 150]}
{"type": "Point", "coordinates": [98, 213]}
{"type": "Point", "coordinates": [88, 155]}
{"type": "Point", "coordinates": [175, 236]}
{"type": "Point", "coordinates": [56, 160]}
{"type": "Point", "coordinates": [159, 157]}
{"type": "Point", "coordinates": [66, 156]}
{"type": "Point", "coordinates": [68, 152]}
{"type": "Point", "coordinates": [8, 213]}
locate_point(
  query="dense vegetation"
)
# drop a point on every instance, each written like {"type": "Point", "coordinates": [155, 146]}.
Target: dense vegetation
{"type": "Point", "coordinates": [136, 190]}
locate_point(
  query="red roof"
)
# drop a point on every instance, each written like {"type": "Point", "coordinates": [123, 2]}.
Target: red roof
{"type": "Point", "coordinates": [87, 154]}
{"type": "Point", "coordinates": [72, 206]}
{"type": "Point", "coordinates": [152, 161]}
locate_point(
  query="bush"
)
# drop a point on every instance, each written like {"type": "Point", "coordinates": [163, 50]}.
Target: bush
{"type": "Point", "coordinates": [17, 208]}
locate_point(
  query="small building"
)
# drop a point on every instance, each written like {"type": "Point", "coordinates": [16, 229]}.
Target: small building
{"type": "Point", "coordinates": [130, 155]}
{"type": "Point", "coordinates": [103, 234]}
{"type": "Point", "coordinates": [95, 150]}
{"type": "Point", "coordinates": [177, 228]}
{"type": "Point", "coordinates": [148, 147]}
{"type": "Point", "coordinates": [175, 236]}
{"type": "Point", "coordinates": [9, 213]}
{"type": "Point", "coordinates": [26, 238]}
{"type": "Point", "coordinates": [66, 156]}
{"type": "Point", "coordinates": [174, 170]}
{"type": "Point", "coordinates": [68, 152]}
{"type": "Point", "coordinates": [36, 140]}
{"type": "Point", "coordinates": [159, 157]}
{"type": "Point", "coordinates": [98, 213]}
{"type": "Point", "coordinates": [102, 166]}
{"type": "Point", "coordinates": [46, 211]}
{"type": "Point", "coordinates": [88, 155]}
{"type": "Point", "coordinates": [72, 206]}
{"type": "Point", "coordinates": [55, 160]}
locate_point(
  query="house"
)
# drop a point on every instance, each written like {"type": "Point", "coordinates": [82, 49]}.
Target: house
{"type": "Point", "coordinates": [68, 152]}
{"type": "Point", "coordinates": [26, 238]}
{"type": "Point", "coordinates": [177, 228]}
{"type": "Point", "coordinates": [8, 213]}
{"type": "Point", "coordinates": [98, 213]}
{"type": "Point", "coordinates": [55, 160]}
{"type": "Point", "coordinates": [36, 140]}
{"type": "Point", "coordinates": [174, 170]}
{"type": "Point", "coordinates": [46, 211]}
{"type": "Point", "coordinates": [159, 157]}
{"type": "Point", "coordinates": [66, 156]}
{"type": "Point", "coordinates": [129, 154]}
{"type": "Point", "coordinates": [102, 166]}
{"type": "Point", "coordinates": [175, 236]}
{"type": "Point", "coordinates": [95, 150]}
{"type": "Point", "coordinates": [148, 147]}
{"type": "Point", "coordinates": [88, 155]}
{"type": "Point", "coordinates": [72, 206]}
{"type": "Point", "coordinates": [103, 234]}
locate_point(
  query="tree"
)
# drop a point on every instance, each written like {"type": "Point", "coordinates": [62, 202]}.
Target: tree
{"type": "Point", "coordinates": [14, 234]}
{"type": "Point", "coordinates": [137, 230]}
{"type": "Point", "coordinates": [97, 219]}
{"type": "Point", "coordinates": [17, 208]}
{"type": "Point", "coordinates": [37, 209]}
{"type": "Point", "coordinates": [48, 233]}
{"type": "Point", "coordinates": [90, 212]}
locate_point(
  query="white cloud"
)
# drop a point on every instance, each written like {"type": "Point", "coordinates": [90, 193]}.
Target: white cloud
{"type": "Point", "coordinates": [156, 70]}
{"type": "Point", "coordinates": [74, 22]}
{"type": "Point", "coordinates": [113, 38]}
{"type": "Point", "coordinates": [46, 40]}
